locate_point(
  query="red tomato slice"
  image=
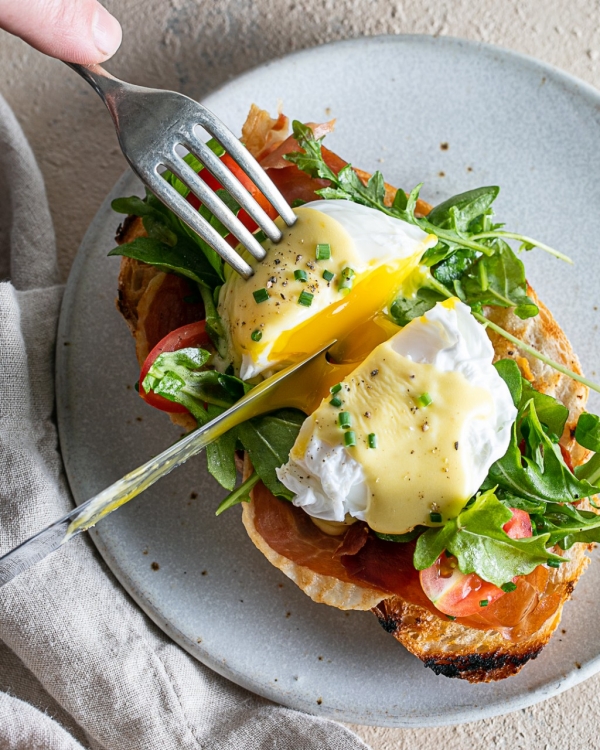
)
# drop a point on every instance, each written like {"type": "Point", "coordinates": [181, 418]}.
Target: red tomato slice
{"type": "Point", "coordinates": [519, 526]}
{"type": "Point", "coordinates": [243, 216]}
{"type": "Point", "coordinates": [458, 594]}
{"type": "Point", "coordinates": [193, 335]}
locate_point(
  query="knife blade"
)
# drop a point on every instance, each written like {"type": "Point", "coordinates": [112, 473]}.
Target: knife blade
{"type": "Point", "coordinates": [261, 399]}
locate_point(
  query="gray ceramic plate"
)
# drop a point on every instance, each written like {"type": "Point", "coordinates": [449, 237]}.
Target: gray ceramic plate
{"type": "Point", "coordinates": [448, 113]}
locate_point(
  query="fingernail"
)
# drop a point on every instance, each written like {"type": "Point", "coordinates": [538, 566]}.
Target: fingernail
{"type": "Point", "coordinates": [107, 32]}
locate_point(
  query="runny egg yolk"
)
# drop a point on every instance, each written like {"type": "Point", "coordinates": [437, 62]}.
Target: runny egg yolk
{"type": "Point", "coordinates": [298, 299]}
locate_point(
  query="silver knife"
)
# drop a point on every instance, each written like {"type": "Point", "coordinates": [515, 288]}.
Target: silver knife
{"type": "Point", "coordinates": [261, 399]}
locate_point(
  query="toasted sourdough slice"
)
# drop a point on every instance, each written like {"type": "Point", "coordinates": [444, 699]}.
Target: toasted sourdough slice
{"type": "Point", "coordinates": [447, 647]}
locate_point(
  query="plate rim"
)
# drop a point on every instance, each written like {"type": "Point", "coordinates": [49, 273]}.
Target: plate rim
{"type": "Point", "coordinates": [457, 716]}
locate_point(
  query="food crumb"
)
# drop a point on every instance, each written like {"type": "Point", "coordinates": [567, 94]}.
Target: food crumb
{"type": "Point", "coordinates": [204, 572]}
{"type": "Point", "coordinates": [444, 146]}
{"type": "Point", "coordinates": [155, 566]}
{"type": "Point", "coordinates": [319, 701]}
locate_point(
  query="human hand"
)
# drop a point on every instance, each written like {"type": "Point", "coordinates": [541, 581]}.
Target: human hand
{"type": "Point", "coordinates": [79, 31]}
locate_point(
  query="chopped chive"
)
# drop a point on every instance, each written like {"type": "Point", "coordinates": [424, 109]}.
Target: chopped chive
{"type": "Point", "coordinates": [136, 385]}
{"type": "Point", "coordinates": [305, 299]}
{"type": "Point", "coordinates": [483, 603]}
{"type": "Point", "coordinates": [345, 420]}
{"type": "Point", "coordinates": [346, 280]}
{"type": "Point", "coordinates": [350, 439]}
{"type": "Point", "coordinates": [256, 335]}
{"type": "Point", "coordinates": [508, 587]}
{"type": "Point", "coordinates": [424, 400]}
{"type": "Point", "coordinates": [260, 236]}
{"type": "Point", "coordinates": [260, 295]}
{"type": "Point", "coordinates": [323, 251]}
{"type": "Point", "coordinates": [297, 202]}
{"type": "Point", "coordinates": [335, 401]}
{"type": "Point", "coordinates": [435, 517]}
{"type": "Point", "coordinates": [553, 564]}
{"type": "Point", "coordinates": [450, 617]}
{"type": "Point", "coordinates": [328, 276]}
{"type": "Point", "coordinates": [372, 440]}
{"type": "Point", "coordinates": [300, 275]}
{"type": "Point", "coordinates": [336, 388]}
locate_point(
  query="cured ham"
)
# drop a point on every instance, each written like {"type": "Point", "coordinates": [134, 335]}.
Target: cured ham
{"type": "Point", "coordinates": [362, 558]}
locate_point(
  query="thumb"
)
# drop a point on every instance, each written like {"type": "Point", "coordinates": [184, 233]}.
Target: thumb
{"type": "Point", "coordinates": [79, 31]}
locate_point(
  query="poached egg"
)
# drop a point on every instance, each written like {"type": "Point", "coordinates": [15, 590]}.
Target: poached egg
{"type": "Point", "coordinates": [339, 265]}
{"type": "Point", "coordinates": [410, 434]}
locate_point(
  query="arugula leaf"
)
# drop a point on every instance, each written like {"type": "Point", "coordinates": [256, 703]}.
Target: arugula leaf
{"type": "Point", "coordinates": [587, 431]}
{"type": "Point", "coordinates": [567, 525]}
{"type": "Point", "coordinates": [177, 376]}
{"type": "Point", "coordinates": [499, 280]}
{"type": "Point", "coordinates": [476, 538]}
{"type": "Point", "coordinates": [461, 210]}
{"type": "Point", "coordinates": [220, 454]}
{"type": "Point", "coordinates": [454, 266]}
{"type": "Point", "coordinates": [178, 363]}
{"type": "Point", "coordinates": [510, 373]}
{"type": "Point", "coordinates": [540, 473]}
{"type": "Point", "coordinates": [183, 258]}
{"type": "Point", "coordinates": [269, 440]}
{"type": "Point", "coordinates": [551, 413]}
{"type": "Point", "coordinates": [587, 434]}
{"type": "Point", "coordinates": [405, 309]}
{"type": "Point", "coordinates": [241, 495]}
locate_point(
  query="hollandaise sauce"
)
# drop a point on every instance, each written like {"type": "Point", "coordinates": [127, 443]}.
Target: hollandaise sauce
{"type": "Point", "coordinates": [407, 420]}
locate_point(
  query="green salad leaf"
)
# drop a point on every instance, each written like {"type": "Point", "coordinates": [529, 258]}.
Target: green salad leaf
{"type": "Point", "coordinates": [269, 440]}
{"type": "Point", "coordinates": [476, 538]}
{"type": "Point", "coordinates": [179, 376]}
{"type": "Point", "coordinates": [567, 525]}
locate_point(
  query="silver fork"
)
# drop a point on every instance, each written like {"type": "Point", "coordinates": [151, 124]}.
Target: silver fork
{"type": "Point", "coordinates": [150, 124]}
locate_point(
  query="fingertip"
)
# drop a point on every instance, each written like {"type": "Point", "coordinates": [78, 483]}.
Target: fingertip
{"type": "Point", "coordinates": [106, 32]}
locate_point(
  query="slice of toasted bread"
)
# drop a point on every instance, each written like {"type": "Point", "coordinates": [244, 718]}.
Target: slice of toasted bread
{"type": "Point", "coordinates": [448, 648]}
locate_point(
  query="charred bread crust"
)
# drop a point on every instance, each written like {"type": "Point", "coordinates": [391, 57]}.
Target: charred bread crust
{"type": "Point", "coordinates": [454, 650]}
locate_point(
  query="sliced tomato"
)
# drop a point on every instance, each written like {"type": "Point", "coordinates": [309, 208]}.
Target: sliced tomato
{"type": "Point", "coordinates": [191, 335]}
{"type": "Point", "coordinates": [243, 216]}
{"type": "Point", "coordinates": [458, 594]}
{"type": "Point", "coordinates": [519, 526]}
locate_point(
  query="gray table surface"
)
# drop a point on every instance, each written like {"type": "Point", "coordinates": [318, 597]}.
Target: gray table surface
{"type": "Point", "coordinates": [196, 45]}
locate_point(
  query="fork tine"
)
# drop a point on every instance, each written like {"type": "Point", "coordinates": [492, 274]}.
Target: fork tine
{"type": "Point", "coordinates": [248, 163]}
{"type": "Point", "coordinates": [215, 205]}
{"type": "Point", "coordinates": [233, 186]}
{"type": "Point", "coordinates": [177, 203]}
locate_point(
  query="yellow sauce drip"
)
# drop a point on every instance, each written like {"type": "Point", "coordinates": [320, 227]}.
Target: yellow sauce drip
{"type": "Point", "coordinates": [419, 465]}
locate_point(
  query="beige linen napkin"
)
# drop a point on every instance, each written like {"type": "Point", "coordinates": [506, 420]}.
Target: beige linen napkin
{"type": "Point", "coordinates": [80, 664]}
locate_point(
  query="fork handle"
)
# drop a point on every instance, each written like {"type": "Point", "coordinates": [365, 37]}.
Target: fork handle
{"type": "Point", "coordinates": [104, 84]}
